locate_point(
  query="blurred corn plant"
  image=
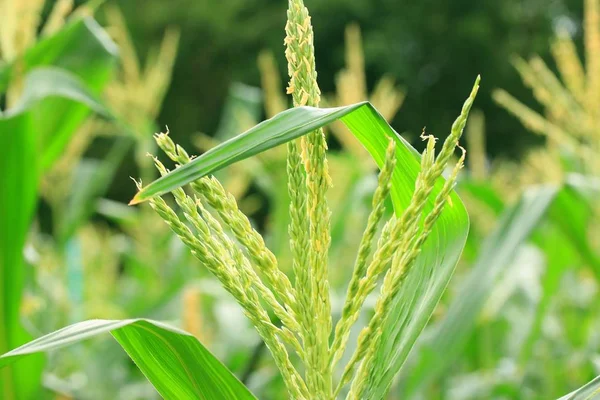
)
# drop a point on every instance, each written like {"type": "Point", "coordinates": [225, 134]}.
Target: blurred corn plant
{"type": "Point", "coordinates": [67, 265]}
{"type": "Point", "coordinates": [570, 121]}
{"type": "Point", "coordinates": [81, 256]}
{"type": "Point", "coordinates": [138, 92]}
{"type": "Point", "coordinates": [135, 97]}
{"type": "Point", "coordinates": [505, 328]}
{"type": "Point", "coordinates": [48, 93]}
{"type": "Point", "coordinates": [570, 126]}
{"type": "Point", "coordinates": [410, 262]}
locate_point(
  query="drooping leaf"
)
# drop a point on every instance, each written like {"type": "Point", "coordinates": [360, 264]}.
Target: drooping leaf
{"type": "Point", "coordinates": [44, 82]}
{"type": "Point", "coordinates": [174, 361]}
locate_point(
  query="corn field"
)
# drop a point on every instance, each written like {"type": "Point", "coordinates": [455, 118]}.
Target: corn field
{"type": "Point", "coordinates": [304, 249]}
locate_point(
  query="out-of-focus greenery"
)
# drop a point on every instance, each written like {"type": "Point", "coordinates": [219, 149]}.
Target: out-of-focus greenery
{"type": "Point", "coordinates": [430, 48]}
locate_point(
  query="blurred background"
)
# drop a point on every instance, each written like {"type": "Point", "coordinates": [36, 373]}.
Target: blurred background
{"type": "Point", "coordinates": [520, 319]}
{"type": "Point", "coordinates": [432, 50]}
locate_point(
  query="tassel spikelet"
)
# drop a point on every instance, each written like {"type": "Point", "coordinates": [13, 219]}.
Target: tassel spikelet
{"type": "Point", "coordinates": [476, 144]}
{"type": "Point", "coordinates": [392, 284]}
{"type": "Point", "coordinates": [304, 89]}
{"type": "Point", "coordinates": [360, 281]}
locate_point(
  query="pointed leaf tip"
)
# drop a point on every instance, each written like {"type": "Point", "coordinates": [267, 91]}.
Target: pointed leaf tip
{"type": "Point", "coordinates": [136, 200]}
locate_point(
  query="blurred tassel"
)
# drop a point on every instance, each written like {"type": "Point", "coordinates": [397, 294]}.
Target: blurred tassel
{"type": "Point", "coordinates": [476, 145]}
{"type": "Point", "coordinates": [192, 313]}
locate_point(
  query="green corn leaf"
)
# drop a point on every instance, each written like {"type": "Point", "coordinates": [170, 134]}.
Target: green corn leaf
{"type": "Point", "coordinates": [434, 267]}
{"type": "Point", "coordinates": [282, 128]}
{"type": "Point", "coordinates": [174, 361]}
{"type": "Point", "coordinates": [18, 183]}
{"type": "Point", "coordinates": [363, 120]}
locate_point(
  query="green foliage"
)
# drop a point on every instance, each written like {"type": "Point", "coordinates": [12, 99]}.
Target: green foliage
{"type": "Point", "coordinates": [518, 321]}
{"type": "Point", "coordinates": [53, 103]}
{"type": "Point", "coordinates": [447, 340]}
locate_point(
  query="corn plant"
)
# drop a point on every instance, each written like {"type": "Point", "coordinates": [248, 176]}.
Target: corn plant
{"type": "Point", "coordinates": [410, 258]}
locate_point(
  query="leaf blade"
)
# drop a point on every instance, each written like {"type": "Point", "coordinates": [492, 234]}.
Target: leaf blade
{"type": "Point", "coordinates": [567, 209]}
{"type": "Point", "coordinates": [280, 129]}
{"type": "Point", "coordinates": [174, 361]}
